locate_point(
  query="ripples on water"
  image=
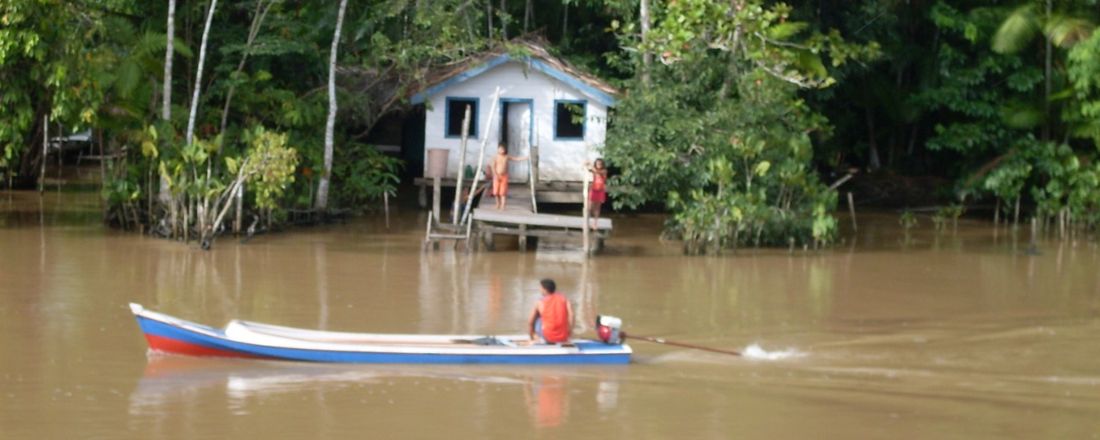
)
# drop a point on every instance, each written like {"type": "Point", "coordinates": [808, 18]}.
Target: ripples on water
{"type": "Point", "coordinates": [955, 333]}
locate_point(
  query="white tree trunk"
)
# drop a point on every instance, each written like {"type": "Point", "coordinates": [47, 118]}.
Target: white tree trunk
{"type": "Point", "coordinates": [647, 58]}
{"type": "Point", "coordinates": [198, 73]}
{"type": "Point", "coordinates": [166, 106]}
{"type": "Point", "coordinates": [330, 124]}
{"type": "Point", "coordinates": [166, 99]}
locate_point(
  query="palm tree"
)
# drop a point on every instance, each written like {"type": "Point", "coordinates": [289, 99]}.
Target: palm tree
{"type": "Point", "coordinates": [1058, 28]}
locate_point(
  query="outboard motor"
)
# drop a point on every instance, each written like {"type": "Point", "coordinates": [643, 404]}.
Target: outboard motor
{"type": "Point", "coordinates": [609, 329]}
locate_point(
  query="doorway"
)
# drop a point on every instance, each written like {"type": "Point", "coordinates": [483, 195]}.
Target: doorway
{"type": "Point", "coordinates": [515, 133]}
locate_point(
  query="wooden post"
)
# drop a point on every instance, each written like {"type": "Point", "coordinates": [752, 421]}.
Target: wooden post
{"type": "Point", "coordinates": [428, 232]}
{"type": "Point", "coordinates": [240, 210]}
{"type": "Point", "coordinates": [534, 203]}
{"type": "Point", "coordinates": [481, 155]}
{"type": "Point", "coordinates": [386, 206]}
{"type": "Point", "coordinates": [852, 211]}
{"type": "Point", "coordinates": [102, 161]}
{"type": "Point", "coordinates": [1016, 215]}
{"type": "Point", "coordinates": [469, 228]}
{"type": "Point", "coordinates": [45, 151]}
{"type": "Point", "coordinates": [584, 194]}
{"type": "Point", "coordinates": [60, 145]}
{"type": "Point", "coordinates": [461, 165]}
{"type": "Point", "coordinates": [437, 193]}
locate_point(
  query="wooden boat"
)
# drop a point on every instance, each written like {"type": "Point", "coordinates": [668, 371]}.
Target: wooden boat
{"type": "Point", "coordinates": [254, 340]}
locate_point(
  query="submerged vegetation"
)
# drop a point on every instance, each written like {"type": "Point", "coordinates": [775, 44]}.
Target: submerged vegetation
{"type": "Point", "coordinates": [733, 113]}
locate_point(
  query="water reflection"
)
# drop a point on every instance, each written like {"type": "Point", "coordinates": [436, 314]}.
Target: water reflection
{"type": "Point", "coordinates": [184, 386]}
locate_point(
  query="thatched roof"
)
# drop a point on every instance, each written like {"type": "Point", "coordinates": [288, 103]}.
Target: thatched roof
{"type": "Point", "coordinates": [531, 52]}
{"type": "Point", "coordinates": [388, 88]}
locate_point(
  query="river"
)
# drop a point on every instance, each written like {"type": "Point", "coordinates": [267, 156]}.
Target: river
{"type": "Point", "coordinates": [961, 333]}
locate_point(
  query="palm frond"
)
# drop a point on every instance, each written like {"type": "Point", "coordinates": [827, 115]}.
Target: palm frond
{"type": "Point", "coordinates": [1018, 29]}
{"type": "Point", "coordinates": [1065, 31]}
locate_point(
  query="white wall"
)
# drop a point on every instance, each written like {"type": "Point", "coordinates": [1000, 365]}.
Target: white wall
{"type": "Point", "coordinates": [559, 160]}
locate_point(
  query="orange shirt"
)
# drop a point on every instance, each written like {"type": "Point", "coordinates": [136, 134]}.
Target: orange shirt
{"type": "Point", "coordinates": [554, 311]}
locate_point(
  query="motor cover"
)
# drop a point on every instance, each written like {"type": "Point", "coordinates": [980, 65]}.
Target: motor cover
{"type": "Point", "coordinates": [609, 329]}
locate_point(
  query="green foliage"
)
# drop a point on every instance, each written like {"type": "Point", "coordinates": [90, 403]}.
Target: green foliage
{"type": "Point", "coordinates": [761, 34]}
{"type": "Point", "coordinates": [1083, 69]}
{"type": "Point", "coordinates": [975, 117]}
{"type": "Point", "coordinates": [950, 212]}
{"type": "Point", "coordinates": [269, 166]}
{"type": "Point", "coordinates": [721, 137]}
{"type": "Point", "coordinates": [362, 175]}
{"type": "Point", "coordinates": [733, 172]}
{"type": "Point", "coordinates": [44, 46]}
{"type": "Point", "coordinates": [908, 220]}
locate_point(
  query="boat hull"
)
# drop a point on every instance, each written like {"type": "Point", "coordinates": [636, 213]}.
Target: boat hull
{"type": "Point", "coordinates": [171, 335]}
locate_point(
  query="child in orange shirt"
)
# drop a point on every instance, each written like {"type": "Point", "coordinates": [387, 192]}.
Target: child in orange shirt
{"type": "Point", "coordinates": [500, 175]}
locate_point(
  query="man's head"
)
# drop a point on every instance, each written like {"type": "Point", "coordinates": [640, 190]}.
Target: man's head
{"type": "Point", "coordinates": [548, 286]}
{"type": "Point", "coordinates": [501, 149]}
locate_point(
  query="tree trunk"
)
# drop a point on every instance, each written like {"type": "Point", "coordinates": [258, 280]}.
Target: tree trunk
{"type": "Point", "coordinates": [647, 58]}
{"type": "Point", "coordinates": [873, 161]}
{"type": "Point", "coordinates": [1046, 78]}
{"type": "Point", "coordinates": [330, 124]}
{"type": "Point", "coordinates": [528, 10]}
{"type": "Point", "coordinates": [198, 73]}
{"type": "Point", "coordinates": [257, 22]}
{"type": "Point", "coordinates": [503, 20]}
{"type": "Point", "coordinates": [489, 19]}
{"type": "Point", "coordinates": [564, 21]}
{"type": "Point", "coordinates": [166, 105]}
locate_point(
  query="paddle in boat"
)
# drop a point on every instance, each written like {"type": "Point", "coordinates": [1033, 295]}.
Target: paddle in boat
{"type": "Point", "coordinates": [254, 340]}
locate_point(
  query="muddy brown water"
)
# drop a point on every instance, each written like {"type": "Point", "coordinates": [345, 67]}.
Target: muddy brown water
{"type": "Point", "coordinates": [952, 334]}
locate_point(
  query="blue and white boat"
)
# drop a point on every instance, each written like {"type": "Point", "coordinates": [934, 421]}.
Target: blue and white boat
{"type": "Point", "coordinates": [254, 340]}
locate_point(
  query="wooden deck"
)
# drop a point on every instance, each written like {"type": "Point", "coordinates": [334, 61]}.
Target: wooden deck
{"type": "Point", "coordinates": [518, 218]}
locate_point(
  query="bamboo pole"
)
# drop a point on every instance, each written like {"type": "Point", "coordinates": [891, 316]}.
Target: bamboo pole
{"type": "Point", "coordinates": [534, 202]}
{"type": "Point", "coordinates": [584, 194]}
{"type": "Point", "coordinates": [45, 152]}
{"type": "Point", "coordinates": [427, 232]}
{"type": "Point", "coordinates": [852, 211]}
{"type": "Point", "coordinates": [240, 210]}
{"type": "Point", "coordinates": [461, 165]}
{"type": "Point", "coordinates": [437, 193]}
{"type": "Point", "coordinates": [386, 206]}
{"type": "Point", "coordinates": [481, 155]}
{"type": "Point", "coordinates": [532, 153]}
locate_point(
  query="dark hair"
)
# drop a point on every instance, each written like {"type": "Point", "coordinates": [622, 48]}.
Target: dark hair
{"type": "Point", "coordinates": [598, 161]}
{"type": "Point", "coordinates": [549, 285]}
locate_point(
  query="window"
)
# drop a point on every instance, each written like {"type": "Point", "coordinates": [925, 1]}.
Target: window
{"type": "Point", "coordinates": [569, 119]}
{"type": "Point", "coordinates": [456, 110]}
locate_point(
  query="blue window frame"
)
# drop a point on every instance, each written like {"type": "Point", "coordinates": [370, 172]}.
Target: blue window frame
{"type": "Point", "coordinates": [454, 111]}
{"type": "Point", "coordinates": [570, 119]}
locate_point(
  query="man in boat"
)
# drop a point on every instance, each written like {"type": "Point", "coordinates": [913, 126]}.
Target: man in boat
{"type": "Point", "coordinates": [551, 321]}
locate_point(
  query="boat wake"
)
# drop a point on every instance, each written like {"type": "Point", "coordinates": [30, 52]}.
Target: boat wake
{"type": "Point", "coordinates": [755, 352]}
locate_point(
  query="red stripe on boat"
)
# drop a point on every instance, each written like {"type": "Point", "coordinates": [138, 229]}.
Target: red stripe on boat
{"type": "Point", "coordinates": [169, 345]}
